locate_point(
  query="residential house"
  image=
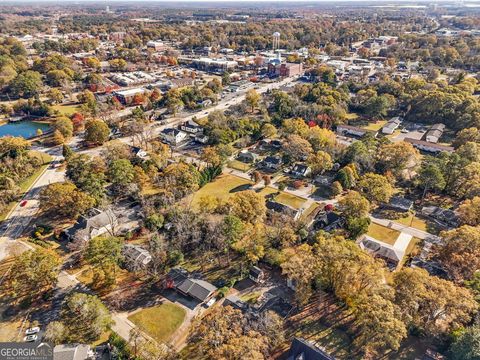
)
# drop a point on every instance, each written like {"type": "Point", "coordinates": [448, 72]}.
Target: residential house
{"type": "Point", "coordinates": [301, 170]}
{"type": "Point", "coordinates": [191, 127]}
{"type": "Point", "coordinates": [180, 280]}
{"type": "Point", "coordinates": [256, 274]}
{"type": "Point", "coordinates": [139, 152]}
{"type": "Point", "coordinates": [399, 203]}
{"type": "Point", "coordinates": [247, 157]}
{"type": "Point", "coordinates": [72, 352]}
{"type": "Point", "coordinates": [94, 223]}
{"type": "Point", "coordinates": [429, 146]}
{"type": "Point", "coordinates": [445, 216]}
{"type": "Point", "coordinates": [272, 162]}
{"type": "Point", "coordinates": [201, 138]}
{"type": "Point", "coordinates": [136, 257]}
{"type": "Point", "coordinates": [173, 136]}
{"type": "Point", "coordinates": [328, 221]}
{"type": "Point", "coordinates": [235, 302]}
{"type": "Point", "coordinates": [270, 144]}
{"type": "Point", "coordinates": [301, 349]}
{"type": "Point", "coordinates": [283, 209]}
{"type": "Point", "coordinates": [435, 133]}
{"type": "Point", "coordinates": [391, 125]}
{"type": "Point", "coordinates": [391, 254]}
{"type": "Point", "coordinates": [353, 130]}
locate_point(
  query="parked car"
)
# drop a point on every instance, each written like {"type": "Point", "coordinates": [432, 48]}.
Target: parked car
{"type": "Point", "coordinates": [30, 338]}
{"type": "Point", "coordinates": [23, 203]}
{"type": "Point", "coordinates": [32, 330]}
{"type": "Point", "coordinates": [404, 131]}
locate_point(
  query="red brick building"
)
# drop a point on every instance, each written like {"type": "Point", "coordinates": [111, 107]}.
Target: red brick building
{"type": "Point", "coordinates": [285, 69]}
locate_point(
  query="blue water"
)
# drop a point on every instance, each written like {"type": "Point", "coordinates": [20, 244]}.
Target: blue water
{"type": "Point", "coordinates": [25, 129]}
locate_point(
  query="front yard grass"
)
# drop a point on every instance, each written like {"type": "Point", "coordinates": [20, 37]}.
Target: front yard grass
{"type": "Point", "coordinates": [221, 188]}
{"type": "Point", "coordinates": [160, 321]}
{"type": "Point", "coordinates": [382, 233]}
{"type": "Point", "coordinates": [226, 185]}
{"type": "Point", "coordinates": [238, 165]}
{"type": "Point", "coordinates": [375, 126]}
{"type": "Point", "coordinates": [66, 110]}
{"type": "Point", "coordinates": [413, 221]}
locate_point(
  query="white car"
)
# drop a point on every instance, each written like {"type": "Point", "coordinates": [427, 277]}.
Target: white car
{"type": "Point", "coordinates": [32, 330]}
{"type": "Point", "coordinates": [30, 338]}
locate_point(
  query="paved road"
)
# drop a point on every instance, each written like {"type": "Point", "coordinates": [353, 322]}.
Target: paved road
{"type": "Point", "coordinates": [20, 217]}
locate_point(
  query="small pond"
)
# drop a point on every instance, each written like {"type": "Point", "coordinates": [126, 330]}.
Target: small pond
{"type": "Point", "coordinates": [25, 129]}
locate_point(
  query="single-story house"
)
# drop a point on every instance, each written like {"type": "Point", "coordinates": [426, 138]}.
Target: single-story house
{"type": "Point", "coordinates": [435, 133]}
{"type": "Point", "coordinates": [272, 162]}
{"type": "Point", "coordinates": [180, 280]}
{"type": "Point", "coordinates": [72, 352]}
{"type": "Point", "coordinates": [391, 254]}
{"type": "Point", "coordinates": [301, 349]}
{"type": "Point", "coordinates": [94, 223]}
{"type": "Point", "coordinates": [429, 146]}
{"type": "Point", "coordinates": [301, 170]}
{"type": "Point", "coordinates": [391, 125]}
{"type": "Point", "coordinates": [446, 216]}
{"type": "Point", "coordinates": [191, 127]}
{"type": "Point", "coordinates": [256, 274]}
{"type": "Point", "coordinates": [173, 136]}
{"type": "Point", "coordinates": [201, 138]}
{"type": "Point", "coordinates": [399, 203]}
{"type": "Point", "coordinates": [353, 130]}
{"type": "Point", "coordinates": [266, 144]}
{"type": "Point", "coordinates": [283, 209]}
{"type": "Point", "coordinates": [235, 302]}
{"type": "Point", "coordinates": [136, 257]}
{"type": "Point", "coordinates": [246, 156]}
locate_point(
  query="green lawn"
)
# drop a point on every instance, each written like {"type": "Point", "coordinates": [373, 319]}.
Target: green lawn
{"type": "Point", "coordinates": [290, 200]}
{"type": "Point", "coordinates": [66, 109]}
{"type": "Point", "coordinates": [375, 126]}
{"type": "Point", "coordinates": [238, 165]}
{"type": "Point", "coordinates": [160, 321]}
{"type": "Point", "coordinates": [382, 233]}
{"type": "Point", "coordinates": [413, 221]}
{"type": "Point", "coordinates": [226, 185]}
{"type": "Point", "coordinates": [221, 187]}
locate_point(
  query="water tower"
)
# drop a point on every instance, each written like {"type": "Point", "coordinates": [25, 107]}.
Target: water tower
{"type": "Point", "coordinates": [276, 40]}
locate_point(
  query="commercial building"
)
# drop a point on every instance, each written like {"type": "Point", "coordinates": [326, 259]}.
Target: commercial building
{"type": "Point", "coordinates": [214, 65]}
{"type": "Point", "coordinates": [285, 69]}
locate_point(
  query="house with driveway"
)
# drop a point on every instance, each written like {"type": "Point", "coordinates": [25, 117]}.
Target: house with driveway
{"type": "Point", "coordinates": [184, 283]}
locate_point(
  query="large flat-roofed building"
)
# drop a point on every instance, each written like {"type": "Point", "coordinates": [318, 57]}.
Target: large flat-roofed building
{"type": "Point", "coordinates": [285, 69]}
{"type": "Point", "coordinates": [126, 96]}
{"type": "Point", "coordinates": [210, 64]}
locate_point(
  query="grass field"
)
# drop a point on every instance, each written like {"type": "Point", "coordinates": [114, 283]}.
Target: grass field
{"type": "Point", "coordinates": [226, 185]}
{"type": "Point", "coordinates": [66, 109]}
{"type": "Point", "coordinates": [160, 321]}
{"type": "Point", "coordinates": [382, 233]}
{"type": "Point", "coordinates": [238, 165]}
{"type": "Point", "coordinates": [413, 221]}
{"type": "Point", "coordinates": [375, 126]}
